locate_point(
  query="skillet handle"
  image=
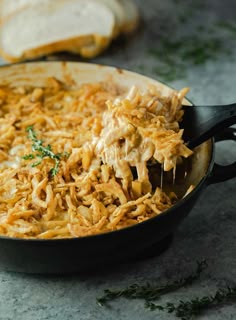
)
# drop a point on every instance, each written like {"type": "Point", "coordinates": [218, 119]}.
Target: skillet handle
{"type": "Point", "coordinates": [222, 173]}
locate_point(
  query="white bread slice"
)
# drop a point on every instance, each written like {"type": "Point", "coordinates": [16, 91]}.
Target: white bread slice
{"type": "Point", "coordinates": [125, 11]}
{"type": "Point", "coordinates": [131, 16]}
{"type": "Point", "coordinates": [8, 7]}
{"type": "Point", "coordinates": [127, 20]}
{"type": "Point", "coordinates": [11, 7]}
{"type": "Point", "coordinates": [93, 50]}
{"type": "Point", "coordinates": [118, 11]}
{"type": "Point", "coordinates": [88, 46]}
{"type": "Point", "coordinates": [55, 25]}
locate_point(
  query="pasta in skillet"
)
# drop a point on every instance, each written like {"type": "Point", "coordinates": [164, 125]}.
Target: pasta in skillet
{"type": "Point", "coordinates": [67, 157]}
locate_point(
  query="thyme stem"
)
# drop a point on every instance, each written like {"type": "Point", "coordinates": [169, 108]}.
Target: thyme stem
{"type": "Point", "coordinates": [188, 309]}
{"type": "Point", "coordinates": [150, 292]}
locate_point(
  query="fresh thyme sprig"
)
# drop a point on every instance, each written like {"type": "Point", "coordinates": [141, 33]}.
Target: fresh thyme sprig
{"type": "Point", "coordinates": [43, 152]}
{"type": "Point", "coordinates": [150, 292]}
{"type": "Point", "coordinates": [28, 157]}
{"type": "Point", "coordinates": [188, 309]}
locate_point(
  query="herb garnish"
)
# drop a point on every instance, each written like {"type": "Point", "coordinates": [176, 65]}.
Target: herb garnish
{"type": "Point", "coordinates": [43, 152]}
{"type": "Point", "coordinates": [229, 26]}
{"type": "Point", "coordinates": [186, 310]}
{"type": "Point", "coordinates": [28, 157]}
{"type": "Point", "coordinates": [150, 292]}
{"type": "Point", "coordinates": [192, 44]}
{"type": "Point", "coordinates": [174, 57]}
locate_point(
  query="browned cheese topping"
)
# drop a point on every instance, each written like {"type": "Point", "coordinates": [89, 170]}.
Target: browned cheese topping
{"type": "Point", "coordinates": [67, 157]}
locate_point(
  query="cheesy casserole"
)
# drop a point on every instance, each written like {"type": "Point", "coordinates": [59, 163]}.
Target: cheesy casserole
{"type": "Point", "coordinates": [73, 162]}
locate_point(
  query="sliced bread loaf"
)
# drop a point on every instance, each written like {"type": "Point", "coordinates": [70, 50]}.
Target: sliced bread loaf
{"type": "Point", "coordinates": [55, 25]}
{"type": "Point", "coordinates": [33, 28]}
{"type": "Point", "coordinates": [131, 16]}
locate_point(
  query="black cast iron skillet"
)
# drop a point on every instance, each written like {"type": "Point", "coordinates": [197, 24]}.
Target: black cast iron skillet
{"type": "Point", "coordinates": [93, 252]}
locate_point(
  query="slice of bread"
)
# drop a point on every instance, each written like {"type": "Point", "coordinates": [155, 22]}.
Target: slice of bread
{"type": "Point", "coordinates": [131, 16]}
{"type": "Point", "coordinates": [118, 9]}
{"type": "Point", "coordinates": [41, 22]}
{"type": "Point", "coordinates": [127, 20]}
{"type": "Point", "coordinates": [8, 7]}
{"type": "Point", "coordinates": [55, 25]}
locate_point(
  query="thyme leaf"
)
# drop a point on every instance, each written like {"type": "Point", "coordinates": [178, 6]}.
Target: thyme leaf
{"type": "Point", "coordinates": [53, 172]}
{"type": "Point", "coordinates": [28, 157]}
{"type": "Point", "coordinates": [150, 292]}
{"type": "Point", "coordinates": [35, 164]}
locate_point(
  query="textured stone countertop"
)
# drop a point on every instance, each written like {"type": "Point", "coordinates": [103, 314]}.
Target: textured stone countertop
{"type": "Point", "coordinates": [209, 231]}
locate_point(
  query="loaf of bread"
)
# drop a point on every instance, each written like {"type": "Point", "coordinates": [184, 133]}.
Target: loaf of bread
{"type": "Point", "coordinates": [30, 29]}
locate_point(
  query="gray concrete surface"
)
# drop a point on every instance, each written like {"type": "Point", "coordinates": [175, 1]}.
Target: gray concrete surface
{"type": "Point", "coordinates": [208, 232]}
